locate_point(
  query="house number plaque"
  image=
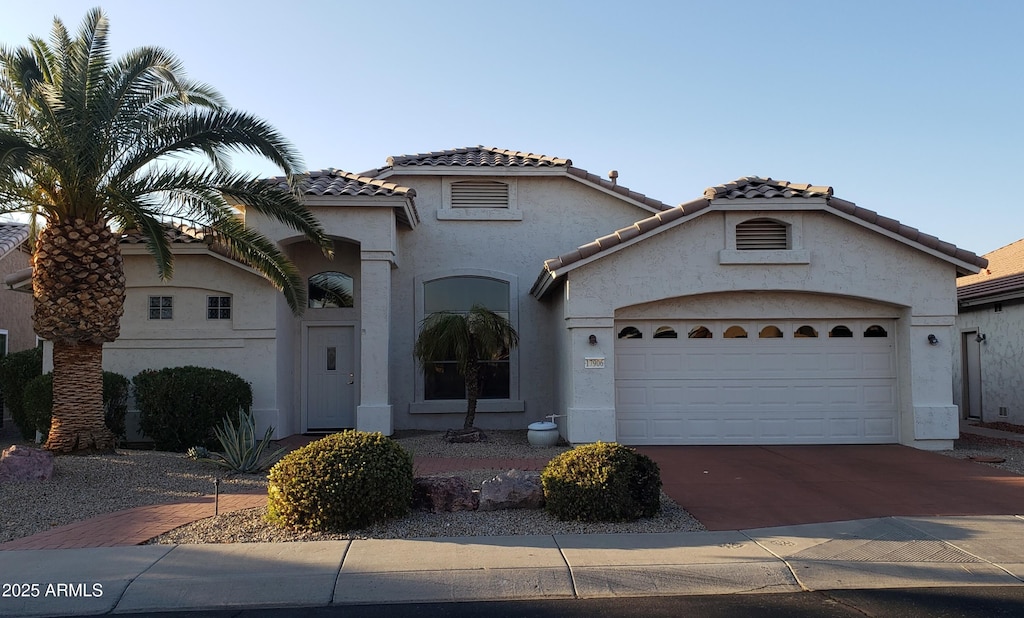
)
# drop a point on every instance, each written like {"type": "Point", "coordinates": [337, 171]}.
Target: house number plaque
{"type": "Point", "coordinates": [593, 363]}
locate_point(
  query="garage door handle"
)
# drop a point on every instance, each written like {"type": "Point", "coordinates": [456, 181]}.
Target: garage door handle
{"type": "Point", "coordinates": [351, 378]}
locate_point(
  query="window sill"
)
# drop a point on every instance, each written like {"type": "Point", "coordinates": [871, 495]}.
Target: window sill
{"type": "Point", "coordinates": [479, 214]}
{"type": "Point", "coordinates": [777, 256]}
{"type": "Point", "coordinates": [458, 406]}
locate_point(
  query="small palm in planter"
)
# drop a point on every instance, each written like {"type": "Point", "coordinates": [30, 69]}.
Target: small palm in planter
{"type": "Point", "coordinates": [468, 338]}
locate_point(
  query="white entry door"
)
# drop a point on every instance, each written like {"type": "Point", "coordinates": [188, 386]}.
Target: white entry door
{"type": "Point", "coordinates": [330, 378]}
{"type": "Point", "coordinates": [756, 382]}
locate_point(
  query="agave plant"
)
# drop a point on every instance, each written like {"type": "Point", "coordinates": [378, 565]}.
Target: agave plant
{"type": "Point", "coordinates": [242, 454]}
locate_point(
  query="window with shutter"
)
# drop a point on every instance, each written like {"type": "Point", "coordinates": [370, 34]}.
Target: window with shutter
{"type": "Point", "coordinates": [761, 234]}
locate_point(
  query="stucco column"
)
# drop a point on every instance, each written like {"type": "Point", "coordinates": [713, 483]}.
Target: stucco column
{"type": "Point", "coordinates": [374, 410]}
{"type": "Point", "coordinates": [591, 374]}
{"type": "Point", "coordinates": [936, 421]}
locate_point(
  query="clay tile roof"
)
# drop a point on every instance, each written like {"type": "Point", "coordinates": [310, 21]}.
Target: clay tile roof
{"type": "Point", "coordinates": [990, 287]}
{"type": "Point", "coordinates": [478, 156]}
{"type": "Point", "coordinates": [641, 227]}
{"type": "Point", "coordinates": [1002, 262]}
{"type": "Point", "coordinates": [12, 235]}
{"type": "Point", "coordinates": [751, 187]}
{"type": "Point", "coordinates": [336, 182]}
{"type": "Point", "coordinates": [177, 234]}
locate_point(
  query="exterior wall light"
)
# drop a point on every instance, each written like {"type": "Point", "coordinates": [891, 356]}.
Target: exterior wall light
{"type": "Point", "coordinates": [980, 338]}
{"type": "Point", "coordinates": [593, 340]}
{"type": "Point", "coordinates": [933, 340]}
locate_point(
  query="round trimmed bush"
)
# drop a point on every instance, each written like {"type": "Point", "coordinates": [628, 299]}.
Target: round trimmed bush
{"type": "Point", "coordinates": [344, 481]}
{"type": "Point", "coordinates": [602, 482]}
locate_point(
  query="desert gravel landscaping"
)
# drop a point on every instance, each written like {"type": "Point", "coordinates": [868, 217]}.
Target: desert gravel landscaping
{"type": "Point", "coordinates": [87, 486]}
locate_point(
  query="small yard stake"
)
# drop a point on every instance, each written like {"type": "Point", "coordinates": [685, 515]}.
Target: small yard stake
{"type": "Point", "coordinates": [216, 496]}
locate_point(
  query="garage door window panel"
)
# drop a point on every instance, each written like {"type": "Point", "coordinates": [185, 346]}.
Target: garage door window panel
{"type": "Point", "coordinates": [805, 332]}
{"type": "Point", "coordinates": [630, 332]}
{"type": "Point", "coordinates": [700, 332]}
{"type": "Point", "coordinates": [665, 332]}
{"type": "Point", "coordinates": [770, 332]}
{"type": "Point", "coordinates": [735, 332]}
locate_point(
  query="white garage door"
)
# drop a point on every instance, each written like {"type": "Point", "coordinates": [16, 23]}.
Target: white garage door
{"type": "Point", "coordinates": [765, 382]}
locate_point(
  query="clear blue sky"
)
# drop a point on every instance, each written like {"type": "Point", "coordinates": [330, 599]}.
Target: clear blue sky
{"type": "Point", "coordinates": [909, 108]}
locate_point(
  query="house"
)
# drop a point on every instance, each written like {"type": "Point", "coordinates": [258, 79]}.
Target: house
{"type": "Point", "coordinates": [16, 332]}
{"type": "Point", "coordinates": [988, 361]}
{"type": "Point", "coordinates": [763, 312]}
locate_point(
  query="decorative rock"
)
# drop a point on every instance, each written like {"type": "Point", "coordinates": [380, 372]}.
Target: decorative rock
{"type": "Point", "coordinates": [443, 494]}
{"type": "Point", "coordinates": [22, 463]}
{"type": "Point", "coordinates": [465, 435]}
{"type": "Point", "coordinates": [514, 489]}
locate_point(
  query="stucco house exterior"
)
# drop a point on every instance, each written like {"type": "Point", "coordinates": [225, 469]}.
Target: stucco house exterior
{"type": "Point", "coordinates": [763, 312]}
{"type": "Point", "coordinates": [988, 360]}
{"type": "Point", "coordinates": [16, 332]}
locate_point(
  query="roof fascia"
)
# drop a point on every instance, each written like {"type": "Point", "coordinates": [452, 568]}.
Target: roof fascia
{"type": "Point", "coordinates": [20, 280]}
{"type": "Point", "coordinates": [990, 299]}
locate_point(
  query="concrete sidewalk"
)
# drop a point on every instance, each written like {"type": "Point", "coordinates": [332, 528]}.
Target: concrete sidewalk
{"type": "Point", "coordinates": [873, 553]}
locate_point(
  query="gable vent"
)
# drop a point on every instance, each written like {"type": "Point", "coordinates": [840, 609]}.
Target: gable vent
{"type": "Point", "coordinates": [761, 234]}
{"type": "Point", "coordinates": [479, 194]}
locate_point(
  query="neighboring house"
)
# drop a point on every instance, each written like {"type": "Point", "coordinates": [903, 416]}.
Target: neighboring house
{"type": "Point", "coordinates": [764, 312]}
{"type": "Point", "coordinates": [988, 362]}
{"type": "Point", "coordinates": [16, 332]}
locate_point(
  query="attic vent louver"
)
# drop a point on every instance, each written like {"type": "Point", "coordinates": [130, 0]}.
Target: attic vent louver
{"type": "Point", "coordinates": [479, 194]}
{"type": "Point", "coordinates": [762, 234]}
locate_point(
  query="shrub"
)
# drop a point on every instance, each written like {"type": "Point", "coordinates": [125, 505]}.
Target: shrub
{"type": "Point", "coordinates": [241, 453]}
{"type": "Point", "coordinates": [16, 371]}
{"type": "Point", "coordinates": [37, 400]}
{"type": "Point", "coordinates": [602, 482]}
{"type": "Point", "coordinates": [344, 481]}
{"type": "Point", "coordinates": [180, 406]}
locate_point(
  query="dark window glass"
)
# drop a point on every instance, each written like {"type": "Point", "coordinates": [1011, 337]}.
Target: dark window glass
{"type": "Point", "coordinates": [805, 332]}
{"type": "Point", "coordinates": [875, 331]}
{"type": "Point", "coordinates": [330, 290]}
{"type": "Point", "coordinates": [700, 332]}
{"type": "Point", "coordinates": [840, 332]}
{"type": "Point", "coordinates": [630, 332]}
{"type": "Point", "coordinates": [218, 307]}
{"type": "Point", "coordinates": [161, 308]}
{"type": "Point", "coordinates": [665, 332]}
{"type": "Point", "coordinates": [459, 294]}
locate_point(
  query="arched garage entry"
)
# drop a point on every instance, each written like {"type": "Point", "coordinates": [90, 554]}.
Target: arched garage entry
{"type": "Point", "coordinates": [787, 369]}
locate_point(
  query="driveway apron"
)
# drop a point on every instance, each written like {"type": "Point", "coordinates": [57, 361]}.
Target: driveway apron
{"type": "Point", "coordinates": [742, 487]}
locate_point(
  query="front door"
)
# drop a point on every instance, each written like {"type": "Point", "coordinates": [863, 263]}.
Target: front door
{"type": "Point", "coordinates": [970, 396]}
{"type": "Point", "coordinates": [330, 378]}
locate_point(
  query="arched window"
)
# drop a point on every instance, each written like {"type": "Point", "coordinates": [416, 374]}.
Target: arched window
{"type": "Point", "coordinates": [329, 290]}
{"type": "Point", "coordinates": [458, 295]}
{"type": "Point", "coordinates": [665, 332]}
{"type": "Point", "coordinates": [840, 332]}
{"type": "Point", "coordinates": [875, 331]}
{"type": "Point", "coordinates": [735, 332]}
{"type": "Point", "coordinates": [805, 331]}
{"type": "Point", "coordinates": [770, 332]}
{"type": "Point", "coordinates": [762, 234]}
{"type": "Point", "coordinates": [699, 332]}
{"type": "Point", "coordinates": [630, 332]}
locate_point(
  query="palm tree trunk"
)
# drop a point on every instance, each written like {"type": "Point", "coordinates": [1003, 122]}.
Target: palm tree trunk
{"type": "Point", "coordinates": [78, 287]}
{"type": "Point", "coordinates": [78, 399]}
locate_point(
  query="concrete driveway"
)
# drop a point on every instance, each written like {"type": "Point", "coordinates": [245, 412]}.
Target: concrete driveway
{"type": "Point", "coordinates": [742, 487]}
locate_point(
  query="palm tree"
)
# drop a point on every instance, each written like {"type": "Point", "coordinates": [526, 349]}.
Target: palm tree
{"type": "Point", "coordinates": [469, 338]}
{"type": "Point", "coordinates": [92, 143]}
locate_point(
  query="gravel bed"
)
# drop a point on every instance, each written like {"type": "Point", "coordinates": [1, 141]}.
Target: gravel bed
{"type": "Point", "coordinates": [87, 486]}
